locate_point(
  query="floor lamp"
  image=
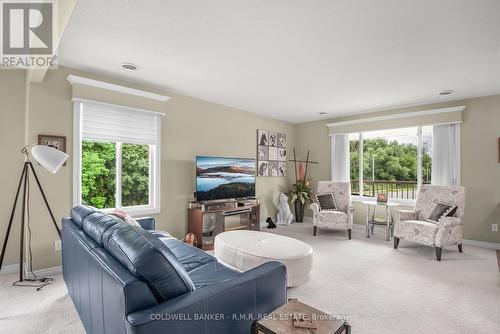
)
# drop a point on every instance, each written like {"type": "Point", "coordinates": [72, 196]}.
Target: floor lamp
{"type": "Point", "coordinates": [51, 159]}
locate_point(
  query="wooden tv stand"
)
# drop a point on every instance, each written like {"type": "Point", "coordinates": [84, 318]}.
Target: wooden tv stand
{"type": "Point", "coordinates": [207, 219]}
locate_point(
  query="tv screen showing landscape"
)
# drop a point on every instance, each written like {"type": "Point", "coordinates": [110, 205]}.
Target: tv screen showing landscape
{"type": "Point", "coordinates": [224, 178]}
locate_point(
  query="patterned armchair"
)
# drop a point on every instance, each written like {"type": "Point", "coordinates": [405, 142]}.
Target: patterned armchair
{"type": "Point", "coordinates": [340, 218]}
{"type": "Point", "coordinates": [413, 225]}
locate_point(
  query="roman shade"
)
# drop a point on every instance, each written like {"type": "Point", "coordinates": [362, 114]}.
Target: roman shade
{"type": "Point", "coordinates": [106, 122]}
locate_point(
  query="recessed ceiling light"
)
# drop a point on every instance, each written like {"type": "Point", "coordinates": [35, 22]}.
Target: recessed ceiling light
{"type": "Point", "coordinates": [323, 113]}
{"type": "Point", "coordinates": [446, 92]}
{"type": "Point", "coordinates": [129, 66]}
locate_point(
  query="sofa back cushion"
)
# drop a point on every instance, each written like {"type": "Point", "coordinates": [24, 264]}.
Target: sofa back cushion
{"type": "Point", "coordinates": [78, 214]}
{"type": "Point", "coordinates": [99, 225]}
{"type": "Point", "coordinates": [150, 260]}
{"type": "Point", "coordinates": [142, 253]}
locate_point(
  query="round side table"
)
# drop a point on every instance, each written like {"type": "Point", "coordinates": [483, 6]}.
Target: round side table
{"type": "Point", "coordinates": [371, 221]}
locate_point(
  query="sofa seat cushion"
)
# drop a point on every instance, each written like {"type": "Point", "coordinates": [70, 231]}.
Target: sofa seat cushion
{"type": "Point", "coordinates": [419, 231]}
{"type": "Point", "coordinates": [211, 273]}
{"type": "Point", "coordinates": [190, 257]}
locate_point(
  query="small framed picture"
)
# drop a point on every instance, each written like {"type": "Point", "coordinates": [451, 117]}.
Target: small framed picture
{"type": "Point", "coordinates": [263, 153]}
{"type": "Point", "coordinates": [281, 168]}
{"type": "Point", "coordinates": [58, 142]}
{"type": "Point", "coordinates": [281, 140]}
{"type": "Point", "coordinates": [382, 198]}
{"type": "Point", "coordinates": [263, 168]}
{"type": "Point", "coordinates": [273, 168]}
{"type": "Point", "coordinates": [273, 153]}
{"type": "Point", "coordinates": [262, 138]}
{"type": "Point", "coordinates": [273, 139]}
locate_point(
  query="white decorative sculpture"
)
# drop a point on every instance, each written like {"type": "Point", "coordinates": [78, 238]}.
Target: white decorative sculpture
{"type": "Point", "coordinates": [285, 216]}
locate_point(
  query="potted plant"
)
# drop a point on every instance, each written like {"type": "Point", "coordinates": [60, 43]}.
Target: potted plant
{"type": "Point", "coordinates": [299, 193]}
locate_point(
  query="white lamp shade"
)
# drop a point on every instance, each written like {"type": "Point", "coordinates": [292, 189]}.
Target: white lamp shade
{"type": "Point", "coordinates": [50, 158]}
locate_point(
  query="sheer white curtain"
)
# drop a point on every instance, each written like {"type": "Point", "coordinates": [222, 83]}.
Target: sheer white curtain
{"type": "Point", "coordinates": [340, 158]}
{"type": "Point", "coordinates": [446, 155]}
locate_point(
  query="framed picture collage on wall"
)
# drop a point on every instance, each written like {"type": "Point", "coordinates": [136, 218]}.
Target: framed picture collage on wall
{"type": "Point", "coordinates": [271, 153]}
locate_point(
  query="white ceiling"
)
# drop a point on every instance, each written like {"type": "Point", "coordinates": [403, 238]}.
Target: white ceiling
{"type": "Point", "coordinates": [291, 59]}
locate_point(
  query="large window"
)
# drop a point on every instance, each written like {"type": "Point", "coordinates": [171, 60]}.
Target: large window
{"type": "Point", "coordinates": [391, 162]}
{"type": "Point", "coordinates": [116, 157]}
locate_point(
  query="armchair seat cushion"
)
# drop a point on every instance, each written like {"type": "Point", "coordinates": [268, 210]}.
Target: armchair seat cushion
{"type": "Point", "coordinates": [419, 231]}
{"type": "Point", "coordinates": [327, 218]}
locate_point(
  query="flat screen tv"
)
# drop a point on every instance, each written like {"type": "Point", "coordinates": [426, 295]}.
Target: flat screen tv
{"type": "Point", "coordinates": [224, 178]}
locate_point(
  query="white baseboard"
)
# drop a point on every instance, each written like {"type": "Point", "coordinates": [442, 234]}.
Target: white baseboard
{"type": "Point", "coordinates": [14, 268]}
{"type": "Point", "coordinates": [484, 244]}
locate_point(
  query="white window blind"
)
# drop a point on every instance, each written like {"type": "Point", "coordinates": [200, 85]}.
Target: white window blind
{"type": "Point", "coordinates": [112, 123]}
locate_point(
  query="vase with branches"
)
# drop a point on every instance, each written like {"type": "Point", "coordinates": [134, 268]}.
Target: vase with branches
{"type": "Point", "coordinates": [300, 192]}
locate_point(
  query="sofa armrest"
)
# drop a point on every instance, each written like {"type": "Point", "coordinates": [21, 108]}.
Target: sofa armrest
{"type": "Point", "coordinates": [351, 208]}
{"type": "Point", "coordinates": [253, 293]}
{"type": "Point", "coordinates": [147, 223]}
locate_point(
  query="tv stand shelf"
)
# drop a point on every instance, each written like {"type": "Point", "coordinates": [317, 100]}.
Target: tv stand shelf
{"type": "Point", "coordinates": [206, 220]}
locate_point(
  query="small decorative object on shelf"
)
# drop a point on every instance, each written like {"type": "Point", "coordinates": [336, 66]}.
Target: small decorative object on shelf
{"type": "Point", "coordinates": [300, 192]}
{"type": "Point", "coordinates": [190, 239]}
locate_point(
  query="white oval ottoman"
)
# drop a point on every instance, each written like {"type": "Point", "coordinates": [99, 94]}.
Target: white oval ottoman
{"type": "Point", "coordinates": [245, 249]}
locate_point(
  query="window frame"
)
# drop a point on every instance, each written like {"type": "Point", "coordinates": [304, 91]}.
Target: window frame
{"type": "Point", "coordinates": [403, 201]}
{"type": "Point", "coordinates": [153, 207]}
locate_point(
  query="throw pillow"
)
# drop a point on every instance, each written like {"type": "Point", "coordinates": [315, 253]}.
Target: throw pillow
{"type": "Point", "coordinates": [452, 212]}
{"type": "Point", "coordinates": [125, 217]}
{"type": "Point", "coordinates": [440, 210]}
{"type": "Point", "coordinates": [326, 202]}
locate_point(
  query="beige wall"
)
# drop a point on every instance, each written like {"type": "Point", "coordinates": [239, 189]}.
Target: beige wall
{"type": "Point", "coordinates": [480, 169]}
{"type": "Point", "coordinates": [191, 127]}
{"type": "Point", "coordinates": [12, 93]}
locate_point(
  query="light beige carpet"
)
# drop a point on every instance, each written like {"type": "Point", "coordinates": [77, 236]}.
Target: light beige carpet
{"type": "Point", "coordinates": [379, 289]}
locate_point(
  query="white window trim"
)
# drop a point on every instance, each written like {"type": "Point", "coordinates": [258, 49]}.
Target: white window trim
{"type": "Point", "coordinates": [402, 201]}
{"type": "Point", "coordinates": [154, 173]}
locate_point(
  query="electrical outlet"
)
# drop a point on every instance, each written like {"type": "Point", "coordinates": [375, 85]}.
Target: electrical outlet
{"type": "Point", "coordinates": [57, 245]}
{"type": "Point", "coordinates": [494, 227]}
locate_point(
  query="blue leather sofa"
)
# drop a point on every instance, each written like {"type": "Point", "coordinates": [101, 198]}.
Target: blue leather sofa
{"type": "Point", "coordinates": [128, 279]}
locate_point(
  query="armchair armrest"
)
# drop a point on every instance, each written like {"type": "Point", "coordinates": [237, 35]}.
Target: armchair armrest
{"type": "Point", "coordinates": [351, 208]}
{"type": "Point", "coordinates": [314, 207]}
{"type": "Point", "coordinates": [147, 223]}
{"type": "Point", "coordinates": [249, 292]}
{"type": "Point", "coordinates": [445, 222]}
{"type": "Point", "coordinates": [450, 232]}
